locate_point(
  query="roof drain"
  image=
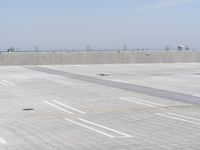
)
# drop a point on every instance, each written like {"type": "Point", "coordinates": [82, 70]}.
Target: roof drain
{"type": "Point", "coordinates": [102, 74]}
{"type": "Point", "coordinates": [28, 109]}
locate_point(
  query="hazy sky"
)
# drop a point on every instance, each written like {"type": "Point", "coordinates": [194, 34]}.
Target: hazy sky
{"type": "Point", "coordinates": [99, 23]}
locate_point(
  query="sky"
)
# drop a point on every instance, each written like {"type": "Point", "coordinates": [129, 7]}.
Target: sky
{"type": "Point", "coordinates": [101, 24]}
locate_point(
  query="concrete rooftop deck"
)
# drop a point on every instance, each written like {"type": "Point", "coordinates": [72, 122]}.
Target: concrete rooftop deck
{"type": "Point", "coordinates": [101, 107]}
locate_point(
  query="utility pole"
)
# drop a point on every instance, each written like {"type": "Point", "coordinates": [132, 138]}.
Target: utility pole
{"type": "Point", "coordinates": [125, 47]}
{"type": "Point", "coordinates": [88, 48]}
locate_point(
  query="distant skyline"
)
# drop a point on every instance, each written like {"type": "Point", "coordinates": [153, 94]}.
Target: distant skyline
{"type": "Point", "coordinates": [101, 24]}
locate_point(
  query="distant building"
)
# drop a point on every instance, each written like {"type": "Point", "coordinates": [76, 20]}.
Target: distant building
{"type": "Point", "coordinates": [12, 49]}
{"type": "Point", "coordinates": [180, 47]}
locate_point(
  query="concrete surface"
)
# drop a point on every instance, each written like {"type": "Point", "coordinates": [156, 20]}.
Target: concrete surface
{"type": "Point", "coordinates": [97, 57]}
{"type": "Point", "coordinates": [132, 106]}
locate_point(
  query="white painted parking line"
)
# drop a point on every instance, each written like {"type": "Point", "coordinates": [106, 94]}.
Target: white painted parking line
{"type": "Point", "coordinates": [63, 82]}
{"type": "Point", "coordinates": [137, 102]}
{"type": "Point", "coordinates": [80, 66]}
{"type": "Point", "coordinates": [21, 77]}
{"type": "Point", "coordinates": [148, 102]}
{"type": "Point", "coordinates": [8, 83]}
{"type": "Point", "coordinates": [143, 102]}
{"type": "Point", "coordinates": [122, 81]}
{"type": "Point", "coordinates": [177, 118]}
{"type": "Point", "coordinates": [55, 106]}
{"type": "Point", "coordinates": [4, 84]}
{"type": "Point", "coordinates": [2, 141]}
{"type": "Point", "coordinates": [69, 107]}
{"type": "Point", "coordinates": [186, 117]}
{"type": "Point", "coordinates": [101, 126]}
{"type": "Point", "coordinates": [170, 79]}
{"type": "Point", "coordinates": [90, 128]}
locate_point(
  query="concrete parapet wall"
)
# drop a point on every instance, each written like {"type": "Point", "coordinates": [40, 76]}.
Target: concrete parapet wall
{"type": "Point", "coordinates": [97, 57]}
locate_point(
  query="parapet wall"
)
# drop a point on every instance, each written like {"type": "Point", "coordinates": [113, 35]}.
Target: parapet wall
{"type": "Point", "coordinates": [96, 57]}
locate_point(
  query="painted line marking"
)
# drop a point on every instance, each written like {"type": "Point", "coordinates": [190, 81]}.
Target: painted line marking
{"type": "Point", "coordinates": [123, 81]}
{"type": "Point", "coordinates": [148, 102]}
{"type": "Point", "coordinates": [21, 77]}
{"type": "Point", "coordinates": [176, 118]}
{"type": "Point", "coordinates": [144, 102]}
{"type": "Point", "coordinates": [4, 84]}
{"type": "Point", "coordinates": [2, 141]}
{"type": "Point", "coordinates": [90, 128]}
{"type": "Point", "coordinates": [63, 82]}
{"type": "Point", "coordinates": [170, 79]}
{"type": "Point", "coordinates": [80, 66]}
{"type": "Point", "coordinates": [137, 102]}
{"type": "Point", "coordinates": [101, 126]}
{"type": "Point", "coordinates": [72, 108]}
{"type": "Point", "coordinates": [55, 106]}
{"type": "Point", "coordinates": [8, 83]}
{"type": "Point", "coordinates": [186, 117]}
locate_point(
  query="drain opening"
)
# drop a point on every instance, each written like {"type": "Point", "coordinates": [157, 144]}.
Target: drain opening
{"type": "Point", "coordinates": [28, 109]}
{"type": "Point", "coordinates": [102, 74]}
